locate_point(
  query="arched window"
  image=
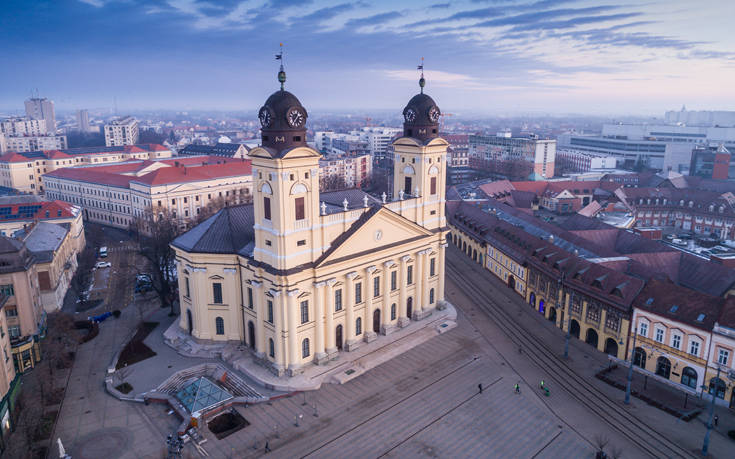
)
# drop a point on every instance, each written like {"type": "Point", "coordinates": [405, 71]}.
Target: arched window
{"type": "Point", "coordinates": [717, 387]}
{"type": "Point", "coordinates": [408, 170]}
{"type": "Point", "coordinates": [393, 311]}
{"type": "Point", "coordinates": [305, 348]}
{"type": "Point", "coordinates": [431, 296]}
{"type": "Point", "coordinates": [219, 324]}
{"type": "Point", "coordinates": [266, 189]}
{"type": "Point", "coordinates": [663, 367]}
{"type": "Point", "coordinates": [298, 188]}
{"type": "Point", "coordinates": [358, 326]}
{"type": "Point", "coordinates": [689, 377]}
{"type": "Point", "coordinates": [271, 348]}
{"type": "Point", "coordinates": [433, 170]}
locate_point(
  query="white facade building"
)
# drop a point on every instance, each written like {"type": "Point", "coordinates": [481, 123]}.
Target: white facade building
{"type": "Point", "coordinates": [22, 126]}
{"type": "Point", "coordinates": [34, 143]}
{"type": "Point", "coordinates": [122, 131]}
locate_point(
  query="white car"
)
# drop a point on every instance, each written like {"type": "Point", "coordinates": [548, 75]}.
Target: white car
{"type": "Point", "coordinates": [103, 264]}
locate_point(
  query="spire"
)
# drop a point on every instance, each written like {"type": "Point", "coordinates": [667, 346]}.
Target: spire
{"type": "Point", "coordinates": [422, 81]}
{"type": "Point", "coordinates": [281, 72]}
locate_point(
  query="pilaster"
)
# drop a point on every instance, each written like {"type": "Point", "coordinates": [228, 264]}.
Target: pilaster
{"type": "Point", "coordinates": [403, 319]}
{"type": "Point", "coordinates": [320, 356]}
{"type": "Point", "coordinates": [367, 321]}
{"type": "Point", "coordinates": [331, 345]}
{"type": "Point", "coordinates": [352, 342]}
{"type": "Point", "coordinates": [386, 327]}
{"type": "Point", "coordinates": [293, 347]}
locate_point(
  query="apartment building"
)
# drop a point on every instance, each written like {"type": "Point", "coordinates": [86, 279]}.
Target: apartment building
{"type": "Point", "coordinates": [24, 171]}
{"type": "Point", "coordinates": [122, 131]}
{"type": "Point", "coordinates": [116, 194]}
{"type": "Point", "coordinates": [514, 158]}
{"type": "Point", "coordinates": [28, 143]}
{"type": "Point", "coordinates": [22, 126]}
{"type": "Point", "coordinates": [348, 170]}
{"type": "Point", "coordinates": [40, 108]}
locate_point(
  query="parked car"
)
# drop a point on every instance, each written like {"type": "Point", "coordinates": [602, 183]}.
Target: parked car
{"type": "Point", "coordinates": [102, 264]}
{"type": "Point", "coordinates": [103, 252]}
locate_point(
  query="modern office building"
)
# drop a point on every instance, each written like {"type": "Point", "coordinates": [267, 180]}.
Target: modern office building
{"type": "Point", "coordinates": [710, 118]}
{"type": "Point", "coordinates": [226, 150]}
{"type": "Point", "coordinates": [42, 109]}
{"type": "Point", "coordinates": [122, 131]}
{"type": "Point", "coordinates": [712, 161]}
{"type": "Point", "coordinates": [573, 160]}
{"type": "Point", "coordinates": [514, 158]}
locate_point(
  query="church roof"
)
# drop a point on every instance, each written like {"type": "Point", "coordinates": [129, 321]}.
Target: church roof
{"type": "Point", "coordinates": [227, 231]}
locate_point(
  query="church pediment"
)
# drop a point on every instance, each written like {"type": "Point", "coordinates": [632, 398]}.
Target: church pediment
{"type": "Point", "coordinates": [376, 230]}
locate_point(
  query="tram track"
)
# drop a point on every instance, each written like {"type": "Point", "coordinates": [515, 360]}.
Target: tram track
{"type": "Point", "coordinates": [638, 432]}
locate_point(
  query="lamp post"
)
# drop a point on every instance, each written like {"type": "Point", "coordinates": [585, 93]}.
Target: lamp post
{"type": "Point", "coordinates": [705, 446]}
{"type": "Point", "coordinates": [630, 367]}
{"type": "Point", "coordinates": [569, 315]}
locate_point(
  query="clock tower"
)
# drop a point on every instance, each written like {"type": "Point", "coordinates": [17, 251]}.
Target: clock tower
{"type": "Point", "coordinates": [285, 185]}
{"type": "Point", "coordinates": [420, 160]}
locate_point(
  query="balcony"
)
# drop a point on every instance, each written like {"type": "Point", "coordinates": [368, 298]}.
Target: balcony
{"type": "Point", "coordinates": [301, 224]}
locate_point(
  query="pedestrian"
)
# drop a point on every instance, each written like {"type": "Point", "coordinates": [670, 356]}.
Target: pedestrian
{"type": "Point", "coordinates": [267, 447]}
{"type": "Point", "coordinates": [479, 386]}
{"type": "Point", "coordinates": [717, 419]}
{"type": "Point", "coordinates": [518, 389]}
{"type": "Point", "coordinates": [542, 384]}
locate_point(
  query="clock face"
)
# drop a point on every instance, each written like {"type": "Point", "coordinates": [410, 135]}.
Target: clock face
{"type": "Point", "coordinates": [434, 114]}
{"type": "Point", "coordinates": [410, 115]}
{"type": "Point", "coordinates": [295, 117]}
{"type": "Point", "coordinates": [265, 117]}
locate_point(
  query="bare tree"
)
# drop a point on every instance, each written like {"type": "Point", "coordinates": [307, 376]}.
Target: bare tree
{"type": "Point", "coordinates": [379, 181]}
{"type": "Point", "coordinates": [332, 182]}
{"type": "Point", "coordinates": [155, 234]}
{"type": "Point", "coordinates": [81, 279]}
{"type": "Point", "coordinates": [600, 441]}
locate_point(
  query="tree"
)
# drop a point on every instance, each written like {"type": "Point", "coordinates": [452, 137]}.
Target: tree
{"type": "Point", "coordinates": [151, 136]}
{"type": "Point", "coordinates": [378, 182]}
{"type": "Point", "coordinates": [156, 230]}
{"type": "Point", "coordinates": [80, 281]}
{"type": "Point", "coordinates": [332, 182]}
{"type": "Point", "coordinates": [234, 197]}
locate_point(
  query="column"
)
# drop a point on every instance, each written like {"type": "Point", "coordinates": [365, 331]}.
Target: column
{"type": "Point", "coordinates": [259, 298]}
{"type": "Point", "coordinates": [402, 319]}
{"type": "Point", "coordinates": [367, 321]}
{"type": "Point", "coordinates": [441, 302]}
{"type": "Point", "coordinates": [329, 313]}
{"type": "Point", "coordinates": [319, 355]}
{"type": "Point", "coordinates": [351, 343]}
{"type": "Point", "coordinates": [418, 279]}
{"type": "Point", "coordinates": [386, 327]}
{"type": "Point", "coordinates": [280, 364]}
{"type": "Point", "coordinates": [294, 354]}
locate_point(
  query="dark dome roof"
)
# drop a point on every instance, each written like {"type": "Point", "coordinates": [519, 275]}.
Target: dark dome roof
{"type": "Point", "coordinates": [421, 118]}
{"type": "Point", "coordinates": [284, 122]}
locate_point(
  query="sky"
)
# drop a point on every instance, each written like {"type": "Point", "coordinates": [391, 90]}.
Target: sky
{"type": "Point", "coordinates": [485, 56]}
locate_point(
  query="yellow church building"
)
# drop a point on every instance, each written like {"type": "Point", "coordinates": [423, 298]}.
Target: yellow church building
{"type": "Point", "coordinates": [300, 276]}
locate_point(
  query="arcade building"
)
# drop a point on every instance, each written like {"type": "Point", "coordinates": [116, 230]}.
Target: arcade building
{"type": "Point", "coordinates": [300, 276]}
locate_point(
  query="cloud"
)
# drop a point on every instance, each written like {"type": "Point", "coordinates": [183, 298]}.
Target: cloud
{"type": "Point", "coordinates": [571, 23]}
{"type": "Point", "coordinates": [440, 5]}
{"type": "Point", "coordinates": [95, 3]}
{"type": "Point", "coordinates": [375, 19]}
{"type": "Point", "coordinates": [325, 14]}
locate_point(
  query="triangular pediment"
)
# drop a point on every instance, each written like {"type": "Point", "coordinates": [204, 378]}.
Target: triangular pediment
{"type": "Point", "coordinates": [377, 229]}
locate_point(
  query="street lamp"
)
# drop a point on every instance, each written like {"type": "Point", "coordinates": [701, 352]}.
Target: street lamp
{"type": "Point", "coordinates": [705, 446]}
{"type": "Point", "coordinates": [630, 367]}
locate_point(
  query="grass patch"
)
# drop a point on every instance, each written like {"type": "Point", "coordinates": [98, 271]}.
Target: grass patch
{"type": "Point", "coordinates": [226, 424]}
{"type": "Point", "coordinates": [136, 350]}
{"type": "Point", "coordinates": [125, 388]}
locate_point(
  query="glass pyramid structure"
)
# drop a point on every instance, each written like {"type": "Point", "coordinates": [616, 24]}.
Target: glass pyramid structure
{"type": "Point", "coordinates": [201, 394]}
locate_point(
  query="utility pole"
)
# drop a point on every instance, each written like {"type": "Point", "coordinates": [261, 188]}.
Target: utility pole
{"type": "Point", "coordinates": [630, 367]}
{"type": "Point", "coordinates": [705, 446]}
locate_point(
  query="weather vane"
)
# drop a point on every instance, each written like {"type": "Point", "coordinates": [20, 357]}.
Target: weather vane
{"type": "Point", "coordinates": [422, 81]}
{"type": "Point", "coordinates": [281, 72]}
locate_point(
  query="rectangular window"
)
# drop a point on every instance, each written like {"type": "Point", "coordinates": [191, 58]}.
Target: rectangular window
{"type": "Point", "coordinates": [393, 280]}
{"type": "Point", "coordinates": [676, 342]}
{"type": "Point", "coordinates": [358, 293]}
{"type": "Point", "coordinates": [301, 242]}
{"type": "Point", "coordinates": [7, 289]}
{"type": "Point", "coordinates": [376, 286]}
{"type": "Point", "coordinates": [432, 266]}
{"type": "Point", "coordinates": [299, 202]}
{"type": "Point", "coordinates": [217, 293]}
{"type": "Point", "coordinates": [338, 299]}
{"type": "Point", "coordinates": [304, 311]}
{"type": "Point", "coordinates": [723, 356]}
{"type": "Point", "coordinates": [409, 275]}
{"type": "Point", "coordinates": [186, 287]}
{"type": "Point", "coordinates": [44, 280]}
{"type": "Point", "coordinates": [250, 297]}
{"type": "Point", "coordinates": [14, 331]}
{"type": "Point", "coordinates": [11, 312]}
{"type": "Point", "coordinates": [659, 335]}
{"type": "Point", "coordinates": [694, 347]}
{"type": "Point", "coordinates": [433, 185]}
{"type": "Point", "coordinates": [643, 330]}
{"type": "Point", "coordinates": [270, 311]}
{"type": "Point", "coordinates": [266, 207]}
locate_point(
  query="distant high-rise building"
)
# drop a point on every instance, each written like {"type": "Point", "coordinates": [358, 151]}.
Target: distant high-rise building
{"type": "Point", "coordinates": [709, 118]}
{"type": "Point", "coordinates": [83, 120]}
{"type": "Point", "coordinates": [42, 109]}
{"type": "Point", "coordinates": [712, 161]}
{"type": "Point", "coordinates": [122, 131]}
{"type": "Point", "coordinates": [22, 126]}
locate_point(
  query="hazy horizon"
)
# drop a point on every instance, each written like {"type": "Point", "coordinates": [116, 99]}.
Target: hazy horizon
{"type": "Point", "coordinates": [490, 57]}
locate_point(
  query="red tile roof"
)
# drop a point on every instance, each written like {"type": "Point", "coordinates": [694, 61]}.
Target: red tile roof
{"type": "Point", "coordinates": [659, 297]}
{"type": "Point", "coordinates": [169, 175]}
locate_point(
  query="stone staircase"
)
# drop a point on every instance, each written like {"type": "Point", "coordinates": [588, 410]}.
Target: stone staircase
{"type": "Point", "coordinates": [215, 372]}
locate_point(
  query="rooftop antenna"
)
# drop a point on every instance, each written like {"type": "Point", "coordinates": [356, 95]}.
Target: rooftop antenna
{"type": "Point", "coordinates": [281, 72]}
{"type": "Point", "coordinates": [422, 81]}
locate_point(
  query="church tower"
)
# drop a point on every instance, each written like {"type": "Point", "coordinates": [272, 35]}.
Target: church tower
{"type": "Point", "coordinates": [285, 185]}
{"type": "Point", "coordinates": [420, 160]}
